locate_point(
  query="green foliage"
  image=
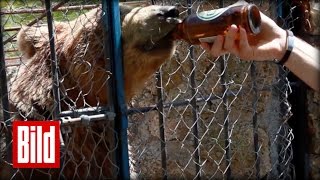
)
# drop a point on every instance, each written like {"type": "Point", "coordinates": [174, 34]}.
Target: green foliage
{"type": "Point", "coordinates": [17, 20]}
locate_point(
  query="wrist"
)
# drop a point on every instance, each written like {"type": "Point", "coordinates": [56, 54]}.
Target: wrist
{"type": "Point", "coordinates": [282, 44]}
{"type": "Point", "coordinates": [288, 48]}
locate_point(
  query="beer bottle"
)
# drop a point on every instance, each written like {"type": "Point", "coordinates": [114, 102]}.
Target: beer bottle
{"type": "Point", "coordinates": [204, 26]}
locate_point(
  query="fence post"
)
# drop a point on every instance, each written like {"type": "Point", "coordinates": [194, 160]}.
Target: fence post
{"type": "Point", "coordinates": [195, 115]}
{"type": "Point", "coordinates": [55, 75]}
{"type": "Point", "coordinates": [223, 64]}
{"type": "Point", "coordinates": [253, 73]}
{"type": "Point", "coordinates": [4, 95]}
{"type": "Point", "coordinates": [162, 125]}
{"type": "Point", "coordinates": [112, 22]}
{"type": "Point", "coordinates": [54, 62]}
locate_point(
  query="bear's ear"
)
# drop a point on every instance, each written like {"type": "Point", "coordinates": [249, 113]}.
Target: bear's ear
{"type": "Point", "coordinates": [26, 41]}
{"type": "Point", "coordinates": [31, 38]}
{"type": "Point", "coordinates": [124, 10]}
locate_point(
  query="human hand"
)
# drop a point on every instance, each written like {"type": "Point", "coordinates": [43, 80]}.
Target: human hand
{"type": "Point", "coordinates": [269, 44]}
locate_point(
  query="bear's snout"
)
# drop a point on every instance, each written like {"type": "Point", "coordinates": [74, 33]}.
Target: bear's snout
{"type": "Point", "coordinates": [171, 11]}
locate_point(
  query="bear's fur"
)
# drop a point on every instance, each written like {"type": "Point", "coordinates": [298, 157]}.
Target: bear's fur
{"type": "Point", "coordinates": [79, 47]}
{"type": "Point", "coordinates": [82, 67]}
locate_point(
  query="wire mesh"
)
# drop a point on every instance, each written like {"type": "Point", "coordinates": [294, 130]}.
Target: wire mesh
{"type": "Point", "coordinates": [74, 37]}
{"type": "Point", "coordinates": [198, 117]}
{"type": "Point", "coordinates": [220, 117]}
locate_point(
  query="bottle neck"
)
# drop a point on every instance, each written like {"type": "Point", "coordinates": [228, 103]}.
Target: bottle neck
{"type": "Point", "coordinates": [177, 32]}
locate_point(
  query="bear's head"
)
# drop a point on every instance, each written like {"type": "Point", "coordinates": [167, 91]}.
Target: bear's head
{"type": "Point", "coordinates": [146, 42]}
{"type": "Point", "coordinates": [148, 25]}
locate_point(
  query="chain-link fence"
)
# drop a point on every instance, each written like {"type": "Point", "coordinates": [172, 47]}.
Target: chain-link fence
{"type": "Point", "coordinates": [194, 117]}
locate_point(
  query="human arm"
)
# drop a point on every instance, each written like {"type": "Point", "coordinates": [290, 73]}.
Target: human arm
{"type": "Point", "coordinates": [270, 44]}
{"type": "Point", "coordinates": [304, 63]}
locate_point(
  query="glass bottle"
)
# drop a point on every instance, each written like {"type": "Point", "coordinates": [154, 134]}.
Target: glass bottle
{"type": "Point", "coordinates": [204, 26]}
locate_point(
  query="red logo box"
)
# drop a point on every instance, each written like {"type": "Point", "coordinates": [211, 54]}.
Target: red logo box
{"type": "Point", "coordinates": [36, 144]}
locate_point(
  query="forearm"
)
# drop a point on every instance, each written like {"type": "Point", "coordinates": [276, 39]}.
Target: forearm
{"type": "Point", "coordinates": [304, 63]}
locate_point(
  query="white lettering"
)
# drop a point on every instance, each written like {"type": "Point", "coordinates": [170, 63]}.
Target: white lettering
{"type": "Point", "coordinates": [32, 144]}
{"type": "Point", "coordinates": [49, 146]}
{"type": "Point", "coordinates": [23, 144]}
{"type": "Point", "coordinates": [39, 144]}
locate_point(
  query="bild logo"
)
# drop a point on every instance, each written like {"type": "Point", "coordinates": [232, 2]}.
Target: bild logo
{"type": "Point", "coordinates": [36, 144]}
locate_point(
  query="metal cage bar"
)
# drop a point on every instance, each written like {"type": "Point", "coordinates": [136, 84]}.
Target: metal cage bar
{"type": "Point", "coordinates": [55, 75]}
{"type": "Point", "coordinates": [54, 62]}
{"type": "Point", "coordinates": [161, 124]}
{"type": "Point", "coordinates": [4, 96]}
{"type": "Point", "coordinates": [253, 73]}
{"type": "Point", "coordinates": [112, 18]}
{"type": "Point", "coordinates": [226, 111]}
{"type": "Point", "coordinates": [161, 112]}
{"type": "Point", "coordinates": [193, 102]}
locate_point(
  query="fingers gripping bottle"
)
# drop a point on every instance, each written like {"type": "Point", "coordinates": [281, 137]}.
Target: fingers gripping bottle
{"type": "Point", "coordinates": [204, 26]}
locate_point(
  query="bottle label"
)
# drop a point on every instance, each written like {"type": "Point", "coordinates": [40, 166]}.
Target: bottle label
{"type": "Point", "coordinates": [208, 39]}
{"type": "Point", "coordinates": [212, 14]}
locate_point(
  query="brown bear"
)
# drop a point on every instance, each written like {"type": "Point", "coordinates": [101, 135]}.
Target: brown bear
{"type": "Point", "coordinates": [79, 45]}
{"type": "Point", "coordinates": [83, 76]}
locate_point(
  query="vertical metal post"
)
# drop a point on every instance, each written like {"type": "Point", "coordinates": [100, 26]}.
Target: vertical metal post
{"type": "Point", "coordinates": [3, 79]}
{"type": "Point", "coordinates": [161, 125]}
{"type": "Point", "coordinates": [112, 19]}
{"type": "Point", "coordinates": [195, 115]}
{"type": "Point", "coordinates": [255, 119]}
{"type": "Point", "coordinates": [161, 121]}
{"type": "Point", "coordinates": [4, 95]}
{"type": "Point", "coordinates": [226, 116]}
{"type": "Point", "coordinates": [226, 111]}
{"type": "Point", "coordinates": [55, 75]}
{"type": "Point", "coordinates": [54, 62]}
